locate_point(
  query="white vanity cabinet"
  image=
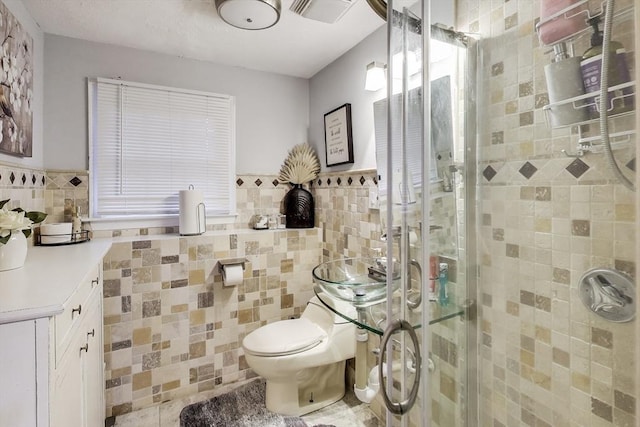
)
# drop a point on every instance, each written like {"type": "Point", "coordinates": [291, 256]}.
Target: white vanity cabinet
{"type": "Point", "coordinates": [51, 345]}
{"type": "Point", "coordinates": [76, 380]}
{"type": "Point", "coordinates": [17, 374]}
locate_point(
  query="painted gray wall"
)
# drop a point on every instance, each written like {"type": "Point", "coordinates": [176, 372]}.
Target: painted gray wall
{"type": "Point", "coordinates": [20, 12]}
{"type": "Point", "coordinates": [272, 110]}
{"type": "Point", "coordinates": [342, 82]}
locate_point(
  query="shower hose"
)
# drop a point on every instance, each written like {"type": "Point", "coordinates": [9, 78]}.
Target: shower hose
{"type": "Point", "coordinates": [604, 97]}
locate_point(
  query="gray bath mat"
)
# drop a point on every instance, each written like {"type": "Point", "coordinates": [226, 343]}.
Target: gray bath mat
{"type": "Point", "coordinates": [242, 407]}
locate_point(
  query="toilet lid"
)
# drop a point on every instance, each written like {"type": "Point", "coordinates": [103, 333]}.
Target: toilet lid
{"type": "Point", "coordinates": [284, 337]}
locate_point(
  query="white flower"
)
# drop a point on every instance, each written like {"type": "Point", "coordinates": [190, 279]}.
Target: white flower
{"type": "Point", "coordinates": [5, 63]}
{"type": "Point", "coordinates": [13, 221]}
{"type": "Point", "coordinates": [17, 220]}
{"type": "Point", "coordinates": [14, 96]}
{"type": "Point", "coordinates": [13, 132]}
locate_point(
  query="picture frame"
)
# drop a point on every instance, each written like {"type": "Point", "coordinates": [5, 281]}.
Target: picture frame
{"type": "Point", "coordinates": [338, 138]}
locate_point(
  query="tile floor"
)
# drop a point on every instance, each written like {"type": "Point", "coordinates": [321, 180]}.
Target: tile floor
{"type": "Point", "coordinates": [349, 412]}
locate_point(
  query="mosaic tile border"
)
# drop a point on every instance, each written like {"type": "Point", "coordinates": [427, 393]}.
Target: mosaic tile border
{"type": "Point", "coordinates": [365, 177]}
{"type": "Point", "coordinates": [18, 177]}
{"type": "Point", "coordinates": [262, 181]}
{"type": "Point", "coordinates": [590, 170]}
{"type": "Point", "coordinates": [356, 179]}
{"type": "Point", "coordinates": [67, 180]}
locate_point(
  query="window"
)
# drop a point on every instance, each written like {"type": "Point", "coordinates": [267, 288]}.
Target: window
{"type": "Point", "coordinates": [149, 142]}
{"type": "Point", "coordinates": [413, 142]}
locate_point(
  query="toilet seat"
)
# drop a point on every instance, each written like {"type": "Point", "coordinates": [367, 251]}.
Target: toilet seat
{"type": "Point", "coordinates": [284, 337]}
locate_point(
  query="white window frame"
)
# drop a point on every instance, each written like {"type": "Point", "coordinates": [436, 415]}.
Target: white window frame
{"type": "Point", "coordinates": [159, 220]}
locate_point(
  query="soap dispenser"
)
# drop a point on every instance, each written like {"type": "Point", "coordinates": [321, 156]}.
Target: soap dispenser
{"type": "Point", "coordinates": [618, 72]}
{"type": "Point", "coordinates": [76, 224]}
{"type": "Point", "coordinates": [564, 81]}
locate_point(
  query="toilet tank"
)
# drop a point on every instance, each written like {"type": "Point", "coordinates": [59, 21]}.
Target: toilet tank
{"type": "Point", "coordinates": [319, 314]}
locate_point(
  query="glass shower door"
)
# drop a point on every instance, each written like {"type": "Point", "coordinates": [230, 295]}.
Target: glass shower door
{"type": "Point", "coordinates": [421, 163]}
{"type": "Point", "coordinates": [400, 171]}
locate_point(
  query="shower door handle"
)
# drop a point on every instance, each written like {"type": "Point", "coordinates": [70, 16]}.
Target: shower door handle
{"type": "Point", "coordinates": [406, 405]}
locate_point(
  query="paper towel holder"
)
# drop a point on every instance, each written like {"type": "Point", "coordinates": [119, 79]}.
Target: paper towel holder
{"type": "Point", "coordinates": [185, 227]}
{"type": "Point", "coordinates": [229, 262]}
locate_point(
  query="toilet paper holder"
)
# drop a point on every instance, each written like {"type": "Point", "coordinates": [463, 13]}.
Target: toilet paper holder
{"type": "Point", "coordinates": [224, 263]}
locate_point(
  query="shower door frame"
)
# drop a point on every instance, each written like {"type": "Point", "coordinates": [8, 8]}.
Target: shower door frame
{"type": "Point", "coordinates": [471, 221]}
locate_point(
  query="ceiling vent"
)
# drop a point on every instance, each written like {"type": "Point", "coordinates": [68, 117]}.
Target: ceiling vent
{"type": "Point", "coordinates": [328, 11]}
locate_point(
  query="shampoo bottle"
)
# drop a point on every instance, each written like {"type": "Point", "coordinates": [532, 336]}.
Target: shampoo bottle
{"type": "Point", "coordinates": [564, 81]}
{"type": "Point", "coordinates": [443, 278]}
{"type": "Point", "coordinates": [619, 100]}
{"type": "Point", "coordinates": [433, 276]}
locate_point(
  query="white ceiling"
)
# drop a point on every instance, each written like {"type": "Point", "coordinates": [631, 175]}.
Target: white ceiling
{"type": "Point", "coordinates": [295, 46]}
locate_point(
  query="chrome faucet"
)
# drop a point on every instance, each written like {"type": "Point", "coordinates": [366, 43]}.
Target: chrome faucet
{"type": "Point", "coordinates": [415, 302]}
{"type": "Point", "coordinates": [376, 272]}
{"type": "Point", "coordinates": [605, 296]}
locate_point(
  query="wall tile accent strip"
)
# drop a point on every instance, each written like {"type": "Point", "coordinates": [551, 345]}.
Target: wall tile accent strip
{"type": "Point", "coordinates": [65, 191]}
{"type": "Point", "coordinates": [23, 186]}
{"type": "Point", "coordinates": [16, 177]}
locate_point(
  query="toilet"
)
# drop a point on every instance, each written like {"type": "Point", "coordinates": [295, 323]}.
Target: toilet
{"type": "Point", "coordinates": [303, 360]}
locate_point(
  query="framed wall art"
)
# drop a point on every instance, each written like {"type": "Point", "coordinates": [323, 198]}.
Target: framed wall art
{"type": "Point", "coordinates": [338, 140]}
{"type": "Point", "coordinates": [16, 87]}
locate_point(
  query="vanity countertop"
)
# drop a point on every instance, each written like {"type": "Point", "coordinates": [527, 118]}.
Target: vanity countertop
{"type": "Point", "coordinates": [47, 279]}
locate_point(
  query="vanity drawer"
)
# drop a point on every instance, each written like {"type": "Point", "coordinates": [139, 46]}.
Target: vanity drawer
{"type": "Point", "coordinates": [74, 310]}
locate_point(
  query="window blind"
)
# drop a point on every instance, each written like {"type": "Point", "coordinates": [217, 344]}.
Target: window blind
{"type": "Point", "coordinates": [150, 142]}
{"type": "Point", "coordinates": [413, 140]}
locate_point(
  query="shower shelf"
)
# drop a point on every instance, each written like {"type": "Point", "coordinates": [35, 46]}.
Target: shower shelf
{"type": "Point", "coordinates": [591, 143]}
{"type": "Point", "coordinates": [578, 103]}
{"type": "Point", "coordinates": [586, 145]}
{"type": "Point", "coordinates": [373, 317]}
{"type": "Point", "coordinates": [575, 10]}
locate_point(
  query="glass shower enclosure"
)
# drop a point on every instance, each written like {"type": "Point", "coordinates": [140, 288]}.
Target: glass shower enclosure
{"type": "Point", "coordinates": [514, 236]}
{"type": "Point", "coordinates": [424, 129]}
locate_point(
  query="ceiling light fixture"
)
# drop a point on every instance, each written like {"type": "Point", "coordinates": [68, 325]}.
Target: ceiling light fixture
{"type": "Point", "coordinates": [375, 79]}
{"type": "Point", "coordinates": [249, 14]}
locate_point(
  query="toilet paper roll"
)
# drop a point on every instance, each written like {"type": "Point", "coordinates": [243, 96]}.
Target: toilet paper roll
{"type": "Point", "coordinates": [232, 274]}
{"type": "Point", "coordinates": [52, 233]}
{"type": "Point", "coordinates": [192, 213]}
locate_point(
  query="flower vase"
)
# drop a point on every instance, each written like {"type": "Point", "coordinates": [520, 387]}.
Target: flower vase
{"type": "Point", "coordinates": [13, 253]}
{"type": "Point", "coordinates": [299, 208]}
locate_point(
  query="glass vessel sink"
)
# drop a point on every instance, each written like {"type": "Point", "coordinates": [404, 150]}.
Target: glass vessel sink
{"type": "Point", "coordinates": [358, 280]}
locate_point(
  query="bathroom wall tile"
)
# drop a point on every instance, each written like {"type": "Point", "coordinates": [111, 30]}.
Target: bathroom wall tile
{"type": "Point", "coordinates": [186, 336]}
{"type": "Point", "coordinates": [573, 215]}
{"type": "Point", "coordinates": [625, 402]}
